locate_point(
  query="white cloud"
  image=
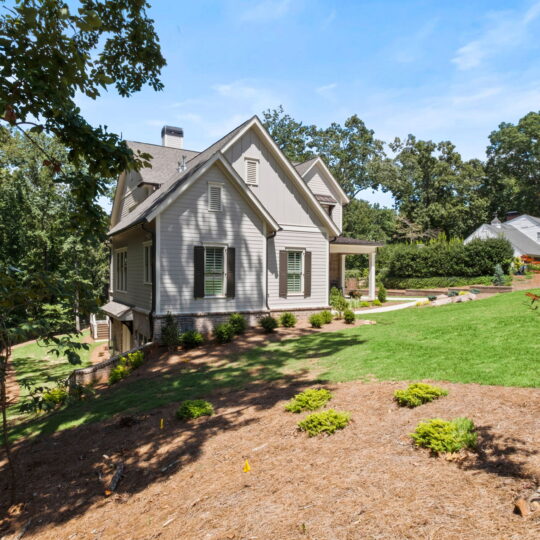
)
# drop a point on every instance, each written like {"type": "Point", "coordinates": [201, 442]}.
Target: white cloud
{"type": "Point", "coordinates": [266, 10]}
{"type": "Point", "coordinates": [327, 90]}
{"type": "Point", "coordinates": [505, 30]}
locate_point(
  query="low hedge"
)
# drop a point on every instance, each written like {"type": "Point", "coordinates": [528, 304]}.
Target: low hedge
{"type": "Point", "coordinates": [438, 282]}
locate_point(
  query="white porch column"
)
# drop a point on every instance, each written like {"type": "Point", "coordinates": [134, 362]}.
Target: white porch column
{"type": "Point", "coordinates": [371, 294]}
{"type": "Point", "coordinates": [343, 273]}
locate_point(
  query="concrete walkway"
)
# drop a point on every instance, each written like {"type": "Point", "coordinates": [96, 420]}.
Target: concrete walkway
{"type": "Point", "coordinates": [395, 307]}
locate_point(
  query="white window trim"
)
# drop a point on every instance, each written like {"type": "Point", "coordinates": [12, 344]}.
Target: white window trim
{"type": "Point", "coordinates": [302, 275]}
{"type": "Point", "coordinates": [224, 284]}
{"type": "Point", "coordinates": [145, 262]}
{"type": "Point", "coordinates": [117, 273]}
{"type": "Point", "coordinates": [257, 167]}
{"type": "Point", "coordinates": [220, 186]}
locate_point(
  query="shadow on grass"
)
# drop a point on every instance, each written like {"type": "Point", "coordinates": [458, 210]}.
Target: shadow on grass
{"type": "Point", "coordinates": [59, 473]}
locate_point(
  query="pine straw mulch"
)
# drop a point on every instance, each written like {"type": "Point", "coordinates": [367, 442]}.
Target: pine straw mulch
{"type": "Point", "coordinates": [185, 481]}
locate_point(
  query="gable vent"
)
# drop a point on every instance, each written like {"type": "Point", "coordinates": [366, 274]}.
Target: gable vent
{"type": "Point", "coordinates": [214, 198]}
{"type": "Point", "coordinates": [252, 172]}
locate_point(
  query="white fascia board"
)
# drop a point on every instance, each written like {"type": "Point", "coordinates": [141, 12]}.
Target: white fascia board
{"type": "Point", "coordinates": [117, 198]}
{"type": "Point", "coordinates": [293, 173]}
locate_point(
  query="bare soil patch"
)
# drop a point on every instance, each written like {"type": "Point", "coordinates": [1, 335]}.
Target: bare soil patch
{"type": "Point", "coordinates": [367, 481]}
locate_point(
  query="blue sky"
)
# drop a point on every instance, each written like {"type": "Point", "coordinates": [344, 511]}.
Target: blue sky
{"type": "Point", "coordinates": [438, 69]}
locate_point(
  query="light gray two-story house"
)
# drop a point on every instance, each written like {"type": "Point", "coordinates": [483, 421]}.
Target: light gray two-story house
{"type": "Point", "coordinates": [234, 228]}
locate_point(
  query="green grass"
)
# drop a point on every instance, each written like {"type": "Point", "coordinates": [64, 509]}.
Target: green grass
{"type": "Point", "coordinates": [492, 341]}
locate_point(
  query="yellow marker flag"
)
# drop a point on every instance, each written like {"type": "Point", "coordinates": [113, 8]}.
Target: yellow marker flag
{"type": "Point", "coordinates": [246, 468]}
{"type": "Point", "coordinates": [161, 424]}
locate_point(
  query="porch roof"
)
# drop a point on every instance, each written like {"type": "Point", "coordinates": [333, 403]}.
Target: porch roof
{"type": "Point", "coordinates": [119, 311]}
{"type": "Point", "coordinates": [352, 246]}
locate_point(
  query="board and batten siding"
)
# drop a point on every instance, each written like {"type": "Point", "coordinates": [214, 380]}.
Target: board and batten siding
{"type": "Point", "coordinates": [186, 223]}
{"type": "Point", "coordinates": [138, 294]}
{"type": "Point", "coordinates": [312, 240]}
{"type": "Point", "coordinates": [275, 189]}
{"type": "Point", "coordinates": [319, 185]}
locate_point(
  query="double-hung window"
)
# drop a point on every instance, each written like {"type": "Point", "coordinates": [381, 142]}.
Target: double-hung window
{"type": "Point", "coordinates": [121, 269]}
{"type": "Point", "coordinates": [147, 262]}
{"type": "Point", "coordinates": [214, 271]}
{"type": "Point", "coordinates": [295, 272]}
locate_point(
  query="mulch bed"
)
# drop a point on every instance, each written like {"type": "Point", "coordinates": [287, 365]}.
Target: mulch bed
{"type": "Point", "coordinates": [367, 481]}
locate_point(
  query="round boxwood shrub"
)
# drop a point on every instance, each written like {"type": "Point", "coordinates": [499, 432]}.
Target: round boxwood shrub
{"type": "Point", "coordinates": [192, 339]}
{"type": "Point", "coordinates": [324, 422]}
{"type": "Point", "coordinates": [316, 320]}
{"type": "Point", "coordinates": [443, 436]}
{"type": "Point", "coordinates": [288, 319]}
{"type": "Point", "coordinates": [309, 400]}
{"type": "Point", "coordinates": [224, 332]}
{"type": "Point", "coordinates": [327, 316]}
{"type": "Point", "coordinates": [417, 394]}
{"type": "Point", "coordinates": [238, 322]}
{"type": "Point", "coordinates": [194, 408]}
{"type": "Point", "coordinates": [268, 323]}
{"type": "Point", "coordinates": [349, 316]}
{"type": "Point", "coordinates": [55, 397]}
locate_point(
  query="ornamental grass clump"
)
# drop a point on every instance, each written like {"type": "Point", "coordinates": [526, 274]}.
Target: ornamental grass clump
{"type": "Point", "coordinates": [316, 320]}
{"type": "Point", "coordinates": [324, 422]}
{"type": "Point", "coordinates": [443, 436]}
{"type": "Point", "coordinates": [194, 408]}
{"type": "Point", "coordinates": [288, 320]}
{"type": "Point", "coordinates": [326, 316]}
{"type": "Point", "coordinates": [417, 394]}
{"type": "Point", "coordinates": [309, 400]}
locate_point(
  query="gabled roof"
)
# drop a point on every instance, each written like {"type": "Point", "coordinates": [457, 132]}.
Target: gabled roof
{"type": "Point", "coordinates": [535, 220]}
{"type": "Point", "coordinates": [516, 238]}
{"type": "Point", "coordinates": [325, 199]}
{"type": "Point", "coordinates": [304, 168]}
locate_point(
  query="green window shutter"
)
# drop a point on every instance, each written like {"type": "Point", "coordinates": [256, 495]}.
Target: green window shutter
{"type": "Point", "coordinates": [198, 271]}
{"type": "Point", "coordinates": [307, 274]}
{"type": "Point", "coordinates": [283, 274]}
{"type": "Point", "coordinates": [231, 266]}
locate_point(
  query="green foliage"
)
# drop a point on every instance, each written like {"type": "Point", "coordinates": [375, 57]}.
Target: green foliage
{"type": "Point", "coordinates": [337, 301]}
{"type": "Point", "coordinates": [356, 294]}
{"type": "Point", "coordinates": [126, 364]}
{"type": "Point", "coordinates": [224, 332]}
{"type": "Point", "coordinates": [268, 323]}
{"type": "Point", "coordinates": [191, 339]}
{"type": "Point", "coordinates": [442, 436]}
{"type": "Point", "coordinates": [119, 372]}
{"type": "Point", "coordinates": [356, 273]}
{"type": "Point", "coordinates": [324, 422]}
{"type": "Point", "coordinates": [316, 320]}
{"type": "Point", "coordinates": [381, 294]}
{"type": "Point", "coordinates": [55, 396]}
{"type": "Point", "coordinates": [437, 282]}
{"type": "Point", "coordinates": [348, 316]}
{"type": "Point", "coordinates": [288, 320]}
{"type": "Point", "coordinates": [417, 394]}
{"type": "Point", "coordinates": [326, 316]}
{"type": "Point", "coordinates": [376, 302]}
{"type": "Point", "coordinates": [364, 304]}
{"type": "Point", "coordinates": [498, 276]}
{"type": "Point", "coordinates": [238, 322]}
{"type": "Point", "coordinates": [170, 334]}
{"type": "Point", "coordinates": [194, 408]}
{"type": "Point", "coordinates": [135, 359]}
{"type": "Point", "coordinates": [309, 400]}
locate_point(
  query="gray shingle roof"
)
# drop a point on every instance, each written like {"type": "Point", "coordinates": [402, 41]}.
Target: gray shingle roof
{"type": "Point", "coordinates": [325, 199]}
{"type": "Point", "coordinates": [345, 240]}
{"type": "Point", "coordinates": [301, 168]}
{"type": "Point", "coordinates": [173, 181]}
{"type": "Point", "coordinates": [516, 238]}
{"type": "Point", "coordinates": [164, 160]}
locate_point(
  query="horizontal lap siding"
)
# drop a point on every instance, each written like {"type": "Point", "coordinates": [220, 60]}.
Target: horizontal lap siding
{"type": "Point", "coordinates": [313, 241]}
{"type": "Point", "coordinates": [320, 186]}
{"type": "Point", "coordinates": [138, 293]}
{"type": "Point", "coordinates": [187, 223]}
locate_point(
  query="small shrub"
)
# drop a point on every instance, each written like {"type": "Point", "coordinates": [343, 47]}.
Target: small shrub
{"type": "Point", "coordinates": [337, 301]}
{"type": "Point", "coordinates": [119, 372]}
{"type": "Point", "coordinates": [194, 408]}
{"type": "Point", "coordinates": [326, 316]}
{"type": "Point", "coordinates": [498, 276]}
{"type": "Point", "coordinates": [417, 394]}
{"type": "Point", "coordinates": [170, 335]}
{"type": "Point", "coordinates": [324, 422]}
{"type": "Point", "coordinates": [452, 294]}
{"type": "Point", "coordinates": [376, 302]}
{"type": "Point", "coordinates": [134, 359]}
{"type": "Point", "coordinates": [442, 436]}
{"type": "Point", "coordinates": [432, 298]}
{"type": "Point", "coordinates": [238, 322]}
{"type": "Point", "coordinates": [55, 397]}
{"type": "Point", "coordinates": [268, 323]}
{"type": "Point", "coordinates": [364, 304]}
{"type": "Point", "coordinates": [288, 320]}
{"type": "Point", "coordinates": [348, 316]}
{"type": "Point", "coordinates": [316, 320]}
{"type": "Point", "coordinates": [421, 303]}
{"type": "Point", "coordinates": [463, 293]}
{"type": "Point", "coordinates": [191, 339]}
{"type": "Point", "coordinates": [381, 294]}
{"type": "Point", "coordinates": [309, 400]}
{"type": "Point", "coordinates": [224, 332]}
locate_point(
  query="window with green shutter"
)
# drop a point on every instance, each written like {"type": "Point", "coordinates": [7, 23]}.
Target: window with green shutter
{"type": "Point", "coordinates": [214, 271]}
{"type": "Point", "coordinates": [295, 277]}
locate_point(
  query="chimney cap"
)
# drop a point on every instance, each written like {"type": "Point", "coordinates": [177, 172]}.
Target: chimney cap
{"type": "Point", "coordinates": [512, 214]}
{"type": "Point", "coordinates": [172, 130]}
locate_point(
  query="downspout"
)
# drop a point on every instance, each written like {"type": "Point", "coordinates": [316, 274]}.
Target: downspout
{"type": "Point", "coordinates": [266, 269]}
{"type": "Point", "coordinates": [154, 277]}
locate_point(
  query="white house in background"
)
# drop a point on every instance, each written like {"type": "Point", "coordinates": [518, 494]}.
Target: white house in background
{"type": "Point", "coordinates": [522, 231]}
{"type": "Point", "coordinates": [235, 228]}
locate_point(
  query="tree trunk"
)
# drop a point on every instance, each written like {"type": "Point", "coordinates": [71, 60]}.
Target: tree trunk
{"type": "Point", "coordinates": [5, 355]}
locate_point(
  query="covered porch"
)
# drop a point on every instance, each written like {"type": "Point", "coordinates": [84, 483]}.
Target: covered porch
{"type": "Point", "coordinates": [342, 246]}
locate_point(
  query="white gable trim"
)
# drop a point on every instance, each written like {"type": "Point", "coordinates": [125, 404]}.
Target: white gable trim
{"type": "Point", "coordinates": [287, 166]}
{"type": "Point", "coordinates": [330, 176]}
{"type": "Point", "coordinates": [118, 198]}
{"type": "Point", "coordinates": [219, 159]}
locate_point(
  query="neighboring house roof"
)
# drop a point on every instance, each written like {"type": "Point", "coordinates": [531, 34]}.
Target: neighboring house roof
{"type": "Point", "coordinates": [148, 208]}
{"type": "Point", "coordinates": [165, 160]}
{"type": "Point", "coordinates": [344, 240]}
{"type": "Point", "coordinates": [515, 237]}
{"type": "Point", "coordinates": [535, 220]}
{"type": "Point", "coordinates": [327, 199]}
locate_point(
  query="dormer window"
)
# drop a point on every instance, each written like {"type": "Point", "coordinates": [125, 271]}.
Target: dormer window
{"type": "Point", "coordinates": [214, 197]}
{"type": "Point", "coordinates": [252, 172]}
